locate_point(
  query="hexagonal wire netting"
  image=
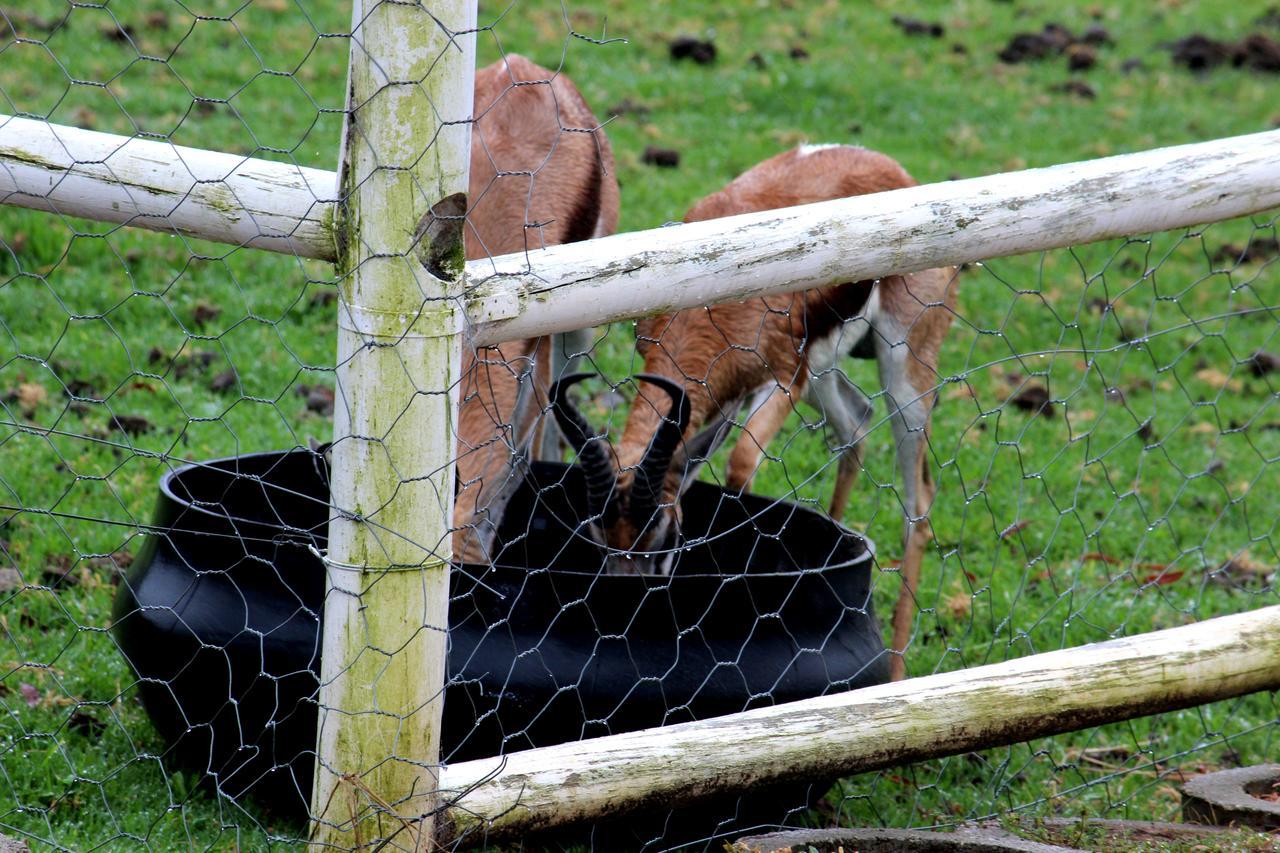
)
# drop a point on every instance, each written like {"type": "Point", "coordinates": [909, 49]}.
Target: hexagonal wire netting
{"type": "Point", "coordinates": [1098, 422]}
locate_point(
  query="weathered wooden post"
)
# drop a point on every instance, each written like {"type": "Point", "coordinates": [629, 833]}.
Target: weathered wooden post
{"type": "Point", "coordinates": [403, 179]}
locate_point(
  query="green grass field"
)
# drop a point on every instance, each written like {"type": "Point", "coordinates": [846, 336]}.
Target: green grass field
{"type": "Point", "coordinates": [123, 353]}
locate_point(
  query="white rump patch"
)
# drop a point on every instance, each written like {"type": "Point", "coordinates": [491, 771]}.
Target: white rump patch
{"type": "Point", "coordinates": [807, 149]}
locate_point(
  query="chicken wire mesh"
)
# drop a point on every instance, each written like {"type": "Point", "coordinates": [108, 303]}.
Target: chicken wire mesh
{"type": "Point", "coordinates": [1101, 438]}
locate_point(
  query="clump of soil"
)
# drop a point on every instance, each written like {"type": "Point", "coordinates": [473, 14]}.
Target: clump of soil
{"type": "Point", "coordinates": [1262, 363]}
{"type": "Point", "coordinates": [223, 381]}
{"type": "Point", "coordinates": [1079, 88]}
{"type": "Point", "coordinates": [1096, 35]}
{"type": "Point", "coordinates": [629, 106]}
{"type": "Point", "coordinates": [1035, 399]}
{"type": "Point", "coordinates": [205, 312]}
{"type": "Point", "coordinates": [687, 47]}
{"type": "Point", "coordinates": [1198, 52]}
{"type": "Point", "coordinates": [917, 27]}
{"type": "Point", "coordinates": [1056, 40]}
{"type": "Point", "coordinates": [319, 398]}
{"type": "Point", "coordinates": [663, 158]}
{"type": "Point", "coordinates": [1261, 249]}
{"type": "Point", "coordinates": [1081, 57]}
{"type": "Point", "coordinates": [131, 424]}
{"type": "Point", "coordinates": [1260, 53]}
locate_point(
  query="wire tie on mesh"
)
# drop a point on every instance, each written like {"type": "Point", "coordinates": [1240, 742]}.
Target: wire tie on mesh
{"type": "Point", "coordinates": [399, 325]}
{"type": "Point", "coordinates": [425, 565]}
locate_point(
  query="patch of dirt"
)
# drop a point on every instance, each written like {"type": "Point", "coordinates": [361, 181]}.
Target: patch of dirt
{"type": "Point", "coordinates": [1025, 47]}
{"type": "Point", "coordinates": [319, 398]}
{"type": "Point", "coordinates": [59, 572]}
{"type": "Point", "coordinates": [205, 312]}
{"type": "Point", "coordinates": [626, 107]}
{"type": "Point", "coordinates": [197, 361]}
{"type": "Point", "coordinates": [798, 53]}
{"type": "Point", "coordinates": [1034, 398]}
{"type": "Point", "coordinates": [1198, 52]}
{"type": "Point", "coordinates": [1262, 363]}
{"type": "Point", "coordinates": [1261, 249]}
{"type": "Point", "coordinates": [1081, 57]}
{"type": "Point", "coordinates": [86, 724]}
{"type": "Point", "coordinates": [223, 381]}
{"type": "Point", "coordinates": [703, 52]}
{"type": "Point", "coordinates": [122, 33]}
{"type": "Point", "coordinates": [1242, 570]}
{"type": "Point", "coordinates": [663, 158]}
{"type": "Point", "coordinates": [917, 27]}
{"type": "Point", "coordinates": [131, 424]}
{"type": "Point", "coordinates": [1079, 88]}
{"type": "Point", "coordinates": [1052, 40]}
{"type": "Point", "coordinates": [1097, 36]}
{"type": "Point", "coordinates": [1260, 53]}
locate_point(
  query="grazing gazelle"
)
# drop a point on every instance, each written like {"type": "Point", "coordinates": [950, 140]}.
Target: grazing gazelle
{"type": "Point", "coordinates": [541, 174]}
{"type": "Point", "coordinates": [708, 362]}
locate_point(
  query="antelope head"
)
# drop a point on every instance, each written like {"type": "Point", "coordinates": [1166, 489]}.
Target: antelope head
{"type": "Point", "coordinates": [634, 509]}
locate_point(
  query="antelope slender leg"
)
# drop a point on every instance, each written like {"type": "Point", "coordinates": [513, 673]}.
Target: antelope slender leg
{"type": "Point", "coordinates": [847, 412]}
{"type": "Point", "coordinates": [910, 409]}
{"type": "Point", "coordinates": [762, 425]}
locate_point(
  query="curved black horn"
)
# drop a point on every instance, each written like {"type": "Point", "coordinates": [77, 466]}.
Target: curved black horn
{"type": "Point", "coordinates": [651, 473]}
{"type": "Point", "coordinates": [593, 456]}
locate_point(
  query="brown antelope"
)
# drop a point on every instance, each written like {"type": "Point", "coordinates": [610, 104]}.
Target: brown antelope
{"type": "Point", "coordinates": [541, 174]}
{"type": "Point", "coordinates": [708, 362]}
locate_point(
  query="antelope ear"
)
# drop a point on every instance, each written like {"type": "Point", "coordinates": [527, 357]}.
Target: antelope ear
{"type": "Point", "coordinates": [694, 453]}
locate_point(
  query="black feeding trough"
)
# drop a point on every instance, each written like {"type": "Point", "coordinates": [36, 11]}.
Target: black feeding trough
{"type": "Point", "coordinates": [220, 619]}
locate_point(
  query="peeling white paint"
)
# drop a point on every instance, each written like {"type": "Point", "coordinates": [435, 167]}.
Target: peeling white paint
{"type": "Point", "coordinates": [578, 285]}
{"type": "Point", "coordinates": [868, 237]}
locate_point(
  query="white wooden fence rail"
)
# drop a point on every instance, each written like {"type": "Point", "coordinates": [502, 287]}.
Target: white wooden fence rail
{"type": "Point", "coordinates": [288, 209]}
{"type": "Point", "coordinates": [169, 188]}
{"type": "Point", "coordinates": [875, 727]}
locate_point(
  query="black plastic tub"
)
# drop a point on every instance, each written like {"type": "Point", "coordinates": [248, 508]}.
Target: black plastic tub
{"type": "Point", "coordinates": [220, 616]}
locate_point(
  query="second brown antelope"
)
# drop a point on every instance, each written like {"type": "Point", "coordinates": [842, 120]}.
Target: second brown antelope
{"type": "Point", "coordinates": [541, 174]}
{"type": "Point", "coordinates": [702, 365]}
